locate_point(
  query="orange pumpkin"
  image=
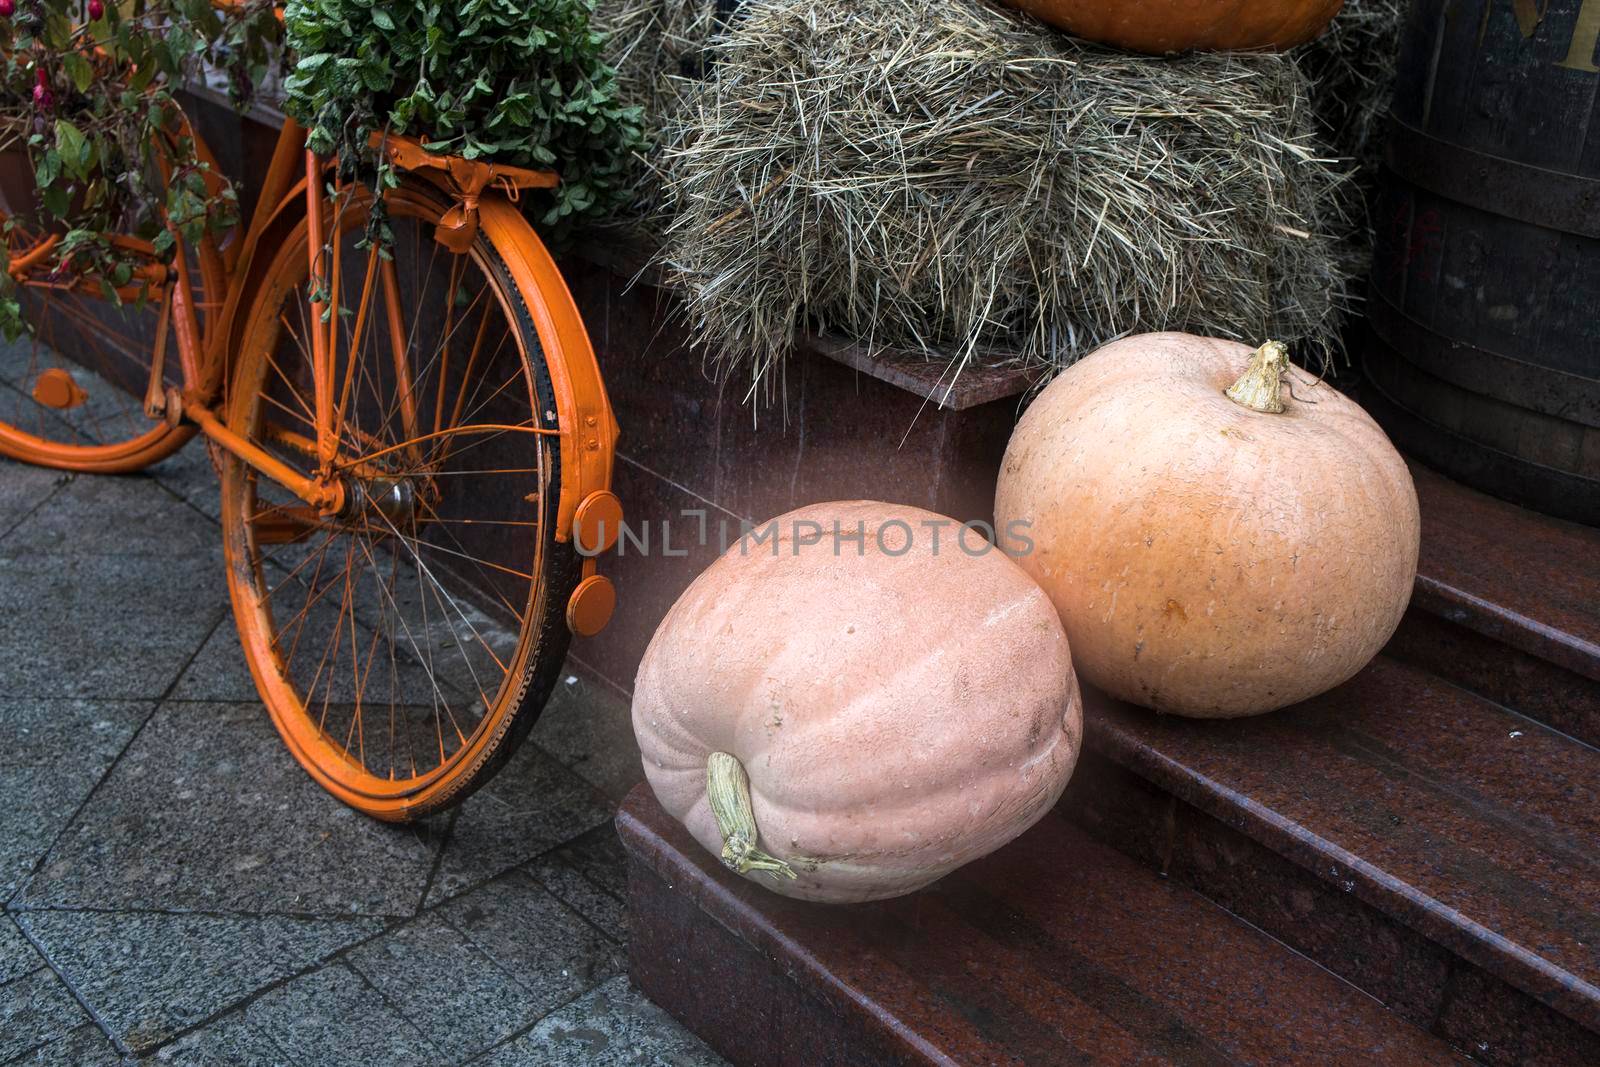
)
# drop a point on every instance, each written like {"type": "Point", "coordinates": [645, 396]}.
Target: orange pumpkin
{"type": "Point", "coordinates": [1213, 550]}
{"type": "Point", "coordinates": [1161, 26]}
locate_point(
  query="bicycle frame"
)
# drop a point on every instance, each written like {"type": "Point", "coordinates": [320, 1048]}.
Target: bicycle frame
{"type": "Point", "coordinates": [294, 187]}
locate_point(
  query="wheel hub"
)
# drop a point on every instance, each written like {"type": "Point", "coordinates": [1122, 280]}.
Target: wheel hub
{"type": "Point", "coordinates": [395, 499]}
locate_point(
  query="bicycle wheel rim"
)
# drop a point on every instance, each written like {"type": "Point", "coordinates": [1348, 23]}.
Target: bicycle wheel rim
{"type": "Point", "coordinates": [336, 750]}
{"type": "Point", "coordinates": [104, 348]}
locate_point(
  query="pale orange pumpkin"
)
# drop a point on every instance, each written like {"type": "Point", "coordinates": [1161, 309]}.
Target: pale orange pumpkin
{"type": "Point", "coordinates": [1213, 551]}
{"type": "Point", "coordinates": [847, 720]}
{"type": "Point", "coordinates": [1161, 26]}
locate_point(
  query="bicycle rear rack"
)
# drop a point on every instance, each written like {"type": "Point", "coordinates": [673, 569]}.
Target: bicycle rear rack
{"type": "Point", "coordinates": [464, 179]}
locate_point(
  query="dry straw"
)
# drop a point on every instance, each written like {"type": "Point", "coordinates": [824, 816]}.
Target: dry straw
{"type": "Point", "coordinates": [657, 48]}
{"type": "Point", "coordinates": [652, 42]}
{"type": "Point", "coordinates": [1353, 68]}
{"type": "Point", "coordinates": [952, 178]}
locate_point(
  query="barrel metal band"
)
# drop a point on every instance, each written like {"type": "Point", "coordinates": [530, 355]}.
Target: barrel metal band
{"type": "Point", "coordinates": [1550, 392]}
{"type": "Point", "coordinates": [1537, 195]}
{"type": "Point", "coordinates": [1559, 493]}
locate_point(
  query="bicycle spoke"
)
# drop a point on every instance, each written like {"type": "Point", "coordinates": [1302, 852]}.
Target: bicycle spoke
{"type": "Point", "coordinates": [408, 633]}
{"type": "Point", "coordinates": [438, 695]}
{"type": "Point", "coordinates": [338, 634]}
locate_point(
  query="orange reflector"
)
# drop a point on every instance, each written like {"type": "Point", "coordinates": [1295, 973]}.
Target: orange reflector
{"type": "Point", "coordinates": [591, 605]}
{"type": "Point", "coordinates": [597, 522]}
{"type": "Point", "coordinates": [56, 389]}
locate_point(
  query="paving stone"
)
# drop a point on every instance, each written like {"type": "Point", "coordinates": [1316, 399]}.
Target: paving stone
{"type": "Point", "coordinates": [580, 894]}
{"type": "Point", "coordinates": [454, 993]}
{"type": "Point", "coordinates": [190, 474]}
{"type": "Point", "coordinates": [22, 489]}
{"type": "Point", "coordinates": [228, 1042]}
{"type": "Point", "coordinates": [54, 753]}
{"type": "Point", "coordinates": [333, 1015]}
{"type": "Point", "coordinates": [101, 626]}
{"type": "Point", "coordinates": [82, 1046]}
{"type": "Point", "coordinates": [219, 671]}
{"type": "Point", "coordinates": [532, 805]}
{"type": "Point", "coordinates": [599, 856]}
{"type": "Point", "coordinates": [35, 1010]}
{"type": "Point", "coordinates": [588, 726]}
{"type": "Point", "coordinates": [149, 976]}
{"type": "Point", "coordinates": [207, 810]}
{"type": "Point", "coordinates": [17, 955]}
{"type": "Point", "coordinates": [535, 938]}
{"type": "Point", "coordinates": [613, 1026]}
{"type": "Point", "coordinates": [13, 359]}
{"type": "Point", "coordinates": [126, 515]}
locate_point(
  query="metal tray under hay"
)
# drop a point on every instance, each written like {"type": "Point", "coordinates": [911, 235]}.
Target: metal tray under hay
{"type": "Point", "coordinates": [954, 178]}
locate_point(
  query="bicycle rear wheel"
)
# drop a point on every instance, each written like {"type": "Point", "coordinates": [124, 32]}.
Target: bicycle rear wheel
{"type": "Point", "coordinates": [405, 645]}
{"type": "Point", "coordinates": [72, 391]}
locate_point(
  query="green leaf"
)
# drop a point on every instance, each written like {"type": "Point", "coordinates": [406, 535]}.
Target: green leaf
{"type": "Point", "coordinates": [75, 150]}
{"type": "Point", "coordinates": [48, 169]}
{"type": "Point", "coordinates": [518, 81]}
{"type": "Point", "coordinates": [56, 200]}
{"type": "Point", "coordinates": [79, 70]}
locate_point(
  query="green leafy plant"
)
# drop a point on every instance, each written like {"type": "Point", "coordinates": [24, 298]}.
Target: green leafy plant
{"type": "Point", "coordinates": [520, 82]}
{"type": "Point", "coordinates": [85, 91]}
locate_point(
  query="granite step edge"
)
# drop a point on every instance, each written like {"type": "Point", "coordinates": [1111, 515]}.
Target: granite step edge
{"type": "Point", "coordinates": [1328, 862]}
{"type": "Point", "coordinates": [664, 848]}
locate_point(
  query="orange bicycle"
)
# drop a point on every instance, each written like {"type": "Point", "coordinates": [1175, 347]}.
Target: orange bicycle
{"type": "Point", "coordinates": [412, 442]}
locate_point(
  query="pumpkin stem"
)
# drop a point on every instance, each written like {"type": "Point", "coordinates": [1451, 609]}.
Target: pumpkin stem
{"type": "Point", "coordinates": [1258, 387]}
{"type": "Point", "coordinates": [728, 789]}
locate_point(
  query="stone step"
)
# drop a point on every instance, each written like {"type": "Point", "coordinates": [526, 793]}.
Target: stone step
{"type": "Point", "coordinates": [1430, 846]}
{"type": "Point", "coordinates": [1430, 831]}
{"type": "Point", "coordinates": [1507, 604]}
{"type": "Point", "coordinates": [1054, 950]}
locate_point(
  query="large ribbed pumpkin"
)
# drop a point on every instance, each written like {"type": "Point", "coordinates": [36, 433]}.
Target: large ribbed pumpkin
{"type": "Point", "coordinates": [847, 720]}
{"type": "Point", "coordinates": [1222, 534]}
{"type": "Point", "coordinates": [1160, 26]}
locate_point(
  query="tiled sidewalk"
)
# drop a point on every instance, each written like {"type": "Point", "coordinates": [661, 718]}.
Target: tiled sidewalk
{"type": "Point", "coordinates": [178, 891]}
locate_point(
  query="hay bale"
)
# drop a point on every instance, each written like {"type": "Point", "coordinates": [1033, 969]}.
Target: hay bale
{"type": "Point", "coordinates": [953, 178]}
{"type": "Point", "coordinates": [657, 48]}
{"type": "Point", "coordinates": [1352, 68]}
{"type": "Point", "coordinates": [651, 43]}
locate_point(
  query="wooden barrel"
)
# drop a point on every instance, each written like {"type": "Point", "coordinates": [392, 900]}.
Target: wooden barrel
{"type": "Point", "coordinates": [1483, 357]}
